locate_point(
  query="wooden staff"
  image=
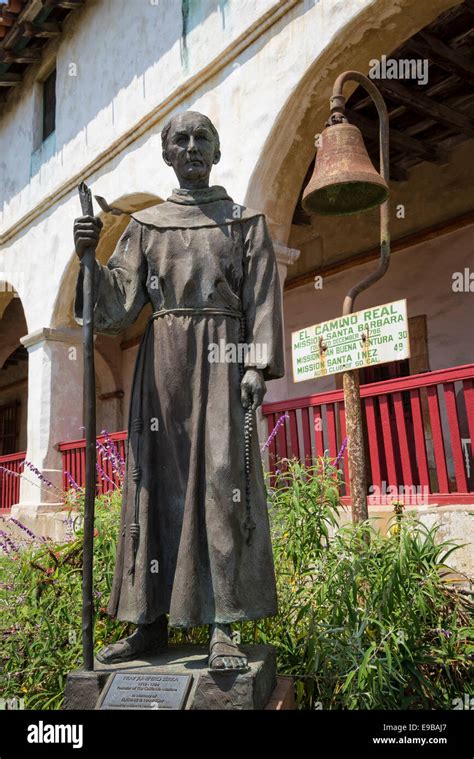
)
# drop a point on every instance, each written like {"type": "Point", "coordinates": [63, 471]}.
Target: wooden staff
{"type": "Point", "coordinates": [88, 267]}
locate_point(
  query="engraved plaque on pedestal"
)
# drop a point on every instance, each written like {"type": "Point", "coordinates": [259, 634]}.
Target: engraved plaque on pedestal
{"type": "Point", "coordinates": [131, 690]}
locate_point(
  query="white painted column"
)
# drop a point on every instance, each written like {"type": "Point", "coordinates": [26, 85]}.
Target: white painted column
{"type": "Point", "coordinates": [55, 414]}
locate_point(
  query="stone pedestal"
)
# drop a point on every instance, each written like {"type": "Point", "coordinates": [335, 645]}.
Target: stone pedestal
{"type": "Point", "coordinates": [208, 690]}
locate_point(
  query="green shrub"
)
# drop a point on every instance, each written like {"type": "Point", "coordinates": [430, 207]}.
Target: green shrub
{"type": "Point", "coordinates": [40, 608]}
{"type": "Point", "coordinates": [365, 621]}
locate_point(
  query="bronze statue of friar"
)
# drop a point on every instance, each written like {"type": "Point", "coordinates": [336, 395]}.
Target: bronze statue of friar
{"type": "Point", "coordinates": [194, 544]}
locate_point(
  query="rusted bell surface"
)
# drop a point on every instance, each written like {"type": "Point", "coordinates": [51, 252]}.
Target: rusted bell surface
{"type": "Point", "coordinates": [344, 180]}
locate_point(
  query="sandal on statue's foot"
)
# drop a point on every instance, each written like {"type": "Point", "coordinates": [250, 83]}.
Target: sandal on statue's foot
{"type": "Point", "coordinates": [224, 654]}
{"type": "Point", "coordinates": [123, 650]}
{"type": "Point", "coordinates": [147, 639]}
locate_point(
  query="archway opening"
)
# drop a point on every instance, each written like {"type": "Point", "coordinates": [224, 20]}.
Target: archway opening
{"type": "Point", "coordinates": [13, 395]}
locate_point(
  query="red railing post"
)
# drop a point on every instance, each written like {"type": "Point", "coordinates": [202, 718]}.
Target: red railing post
{"type": "Point", "coordinates": [389, 453]}
{"type": "Point", "coordinates": [10, 483]}
{"type": "Point", "coordinates": [395, 430]}
{"type": "Point", "coordinates": [74, 454]}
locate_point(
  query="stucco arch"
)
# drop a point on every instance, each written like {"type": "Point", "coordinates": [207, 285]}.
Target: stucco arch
{"type": "Point", "coordinates": [289, 148]}
{"type": "Point", "coordinates": [12, 320]}
{"type": "Point", "coordinates": [13, 364]}
{"type": "Point", "coordinates": [112, 229]}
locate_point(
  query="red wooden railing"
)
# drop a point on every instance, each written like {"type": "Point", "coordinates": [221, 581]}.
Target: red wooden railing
{"type": "Point", "coordinates": [420, 434]}
{"type": "Point", "coordinates": [420, 431]}
{"type": "Point", "coordinates": [10, 483]}
{"type": "Point", "coordinates": [74, 462]}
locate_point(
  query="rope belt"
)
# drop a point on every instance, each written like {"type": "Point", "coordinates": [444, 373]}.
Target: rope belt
{"type": "Point", "coordinates": [136, 427]}
{"type": "Point", "coordinates": [197, 311]}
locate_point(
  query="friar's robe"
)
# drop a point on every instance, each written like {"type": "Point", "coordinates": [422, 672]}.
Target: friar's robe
{"type": "Point", "coordinates": [185, 473]}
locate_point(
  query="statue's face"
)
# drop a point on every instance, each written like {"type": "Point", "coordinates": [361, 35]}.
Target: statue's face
{"type": "Point", "coordinates": [191, 150]}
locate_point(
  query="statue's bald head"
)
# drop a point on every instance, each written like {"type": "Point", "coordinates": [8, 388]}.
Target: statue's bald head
{"type": "Point", "coordinates": [191, 146]}
{"type": "Point", "coordinates": [187, 117]}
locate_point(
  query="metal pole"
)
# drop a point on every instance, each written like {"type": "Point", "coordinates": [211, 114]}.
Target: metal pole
{"type": "Point", "coordinates": [88, 267]}
{"type": "Point", "coordinates": [353, 407]}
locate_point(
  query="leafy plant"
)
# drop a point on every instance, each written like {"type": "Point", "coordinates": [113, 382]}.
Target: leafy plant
{"type": "Point", "coordinates": [366, 621]}
{"type": "Point", "coordinates": [40, 606]}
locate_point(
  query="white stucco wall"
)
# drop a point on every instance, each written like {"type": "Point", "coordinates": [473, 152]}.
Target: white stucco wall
{"type": "Point", "coordinates": [256, 67]}
{"type": "Point", "coordinates": [134, 70]}
{"type": "Point", "coordinates": [116, 61]}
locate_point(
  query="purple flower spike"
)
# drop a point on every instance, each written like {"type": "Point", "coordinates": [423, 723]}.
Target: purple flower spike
{"type": "Point", "coordinates": [273, 433]}
{"type": "Point", "coordinates": [341, 452]}
{"type": "Point", "coordinates": [73, 482]}
{"type": "Point", "coordinates": [41, 477]}
{"type": "Point", "coordinates": [23, 527]}
{"type": "Point", "coordinates": [110, 445]}
{"type": "Point", "coordinates": [110, 456]}
{"type": "Point", "coordinates": [104, 476]}
{"type": "Point", "coordinates": [9, 471]}
{"type": "Point", "coordinates": [9, 542]}
{"type": "Point", "coordinates": [445, 633]}
{"type": "Point", "coordinates": [39, 474]}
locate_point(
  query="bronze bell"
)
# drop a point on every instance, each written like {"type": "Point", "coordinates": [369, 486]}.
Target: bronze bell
{"type": "Point", "coordinates": [344, 179]}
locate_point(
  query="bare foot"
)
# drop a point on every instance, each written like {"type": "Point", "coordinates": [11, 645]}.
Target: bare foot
{"type": "Point", "coordinates": [224, 654]}
{"type": "Point", "coordinates": [147, 639]}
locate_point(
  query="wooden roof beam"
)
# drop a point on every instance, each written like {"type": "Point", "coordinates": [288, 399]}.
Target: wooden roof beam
{"type": "Point", "coordinates": [31, 10]}
{"type": "Point", "coordinates": [429, 46]}
{"type": "Point", "coordinates": [25, 56]}
{"type": "Point", "coordinates": [10, 80]}
{"type": "Point", "coordinates": [428, 107]}
{"type": "Point", "coordinates": [403, 142]}
{"type": "Point", "coordinates": [44, 29]}
{"type": "Point", "coordinates": [448, 17]}
{"type": "Point", "coordinates": [69, 4]}
{"type": "Point", "coordinates": [415, 129]}
{"type": "Point", "coordinates": [440, 88]}
{"type": "Point", "coordinates": [398, 173]}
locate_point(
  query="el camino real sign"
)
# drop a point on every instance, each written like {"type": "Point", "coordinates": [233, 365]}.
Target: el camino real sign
{"type": "Point", "coordinates": [372, 336]}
